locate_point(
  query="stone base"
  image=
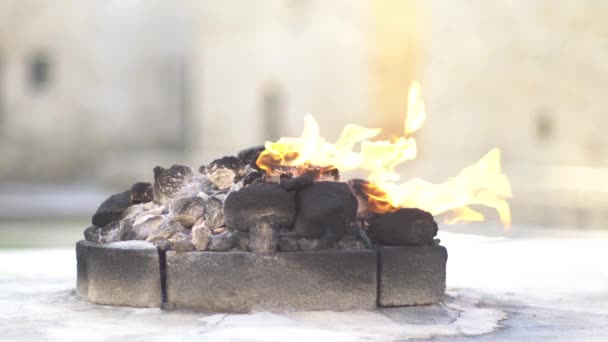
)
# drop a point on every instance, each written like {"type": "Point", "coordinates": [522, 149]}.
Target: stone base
{"type": "Point", "coordinates": [130, 273]}
{"type": "Point", "coordinates": [411, 275]}
{"type": "Point", "coordinates": [125, 273]}
{"type": "Point", "coordinates": [245, 281]}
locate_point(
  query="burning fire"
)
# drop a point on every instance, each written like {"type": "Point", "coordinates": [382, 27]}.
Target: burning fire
{"type": "Point", "coordinates": [482, 183]}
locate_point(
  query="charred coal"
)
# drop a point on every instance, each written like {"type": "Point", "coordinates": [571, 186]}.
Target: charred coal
{"type": "Point", "coordinates": [403, 227]}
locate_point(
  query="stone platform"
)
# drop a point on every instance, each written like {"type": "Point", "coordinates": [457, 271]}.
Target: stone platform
{"type": "Point", "coordinates": [134, 273]}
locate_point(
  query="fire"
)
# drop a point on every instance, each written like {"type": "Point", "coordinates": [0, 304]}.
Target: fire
{"type": "Point", "coordinates": [482, 183]}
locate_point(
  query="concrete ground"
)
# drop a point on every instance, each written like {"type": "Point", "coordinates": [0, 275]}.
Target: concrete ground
{"type": "Point", "coordinates": [525, 287]}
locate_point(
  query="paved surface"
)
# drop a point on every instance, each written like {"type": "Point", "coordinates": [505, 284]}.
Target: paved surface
{"type": "Point", "coordinates": [550, 289]}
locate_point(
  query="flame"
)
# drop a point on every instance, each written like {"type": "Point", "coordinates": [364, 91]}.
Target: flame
{"type": "Point", "coordinates": [482, 183]}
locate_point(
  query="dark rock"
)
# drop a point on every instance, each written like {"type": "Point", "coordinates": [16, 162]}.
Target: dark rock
{"type": "Point", "coordinates": [166, 230]}
{"type": "Point", "coordinates": [225, 171]}
{"type": "Point", "coordinates": [175, 182]}
{"type": "Point", "coordinates": [141, 193]}
{"type": "Point", "coordinates": [263, 237]}
{"type": "Point", "coordinates": [310, 245]}
{"type": "Point", "coordinates": [253, 177]}
{"type": "Point", "coordinates": [403, 227]}
{"type": "Point", "coordinates": [201, 235]}
{"type": "Point", "coordinates": [221, 242]}
{"type": "Point", "coordinates": [250, 155]}
{"type": "Point", "coordinates": [112, 209]}
{"type": "Point", "coordinates": [214, 212]}
{"type": "Point", "coordinates": [144, 226]}
{"type": "Point", "coordinates": [324, 210]}
{"type": "Point", "coordinates": [242, 209]}
{"type": "Point", "coordinates": [187, 210]}
{"type": "Point", "coordinates": [297, 183]}
{"type": "Point", "coordinates": [288, 243]}
{"type": "Point", "coordinates": [241, 240]}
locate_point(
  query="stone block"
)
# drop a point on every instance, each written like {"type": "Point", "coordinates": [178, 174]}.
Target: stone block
{"type": "Point", "coordinates": [123, 273]}
{"type": "Point", "coordinates": [245, 281]}
{"type": "Point", "coordinates": [82, 278]}
{"type": "Point", "coordinates": [411, 275]}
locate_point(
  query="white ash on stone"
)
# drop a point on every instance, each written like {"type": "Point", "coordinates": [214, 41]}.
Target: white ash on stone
{"type": "Point", "coordinates": [176, 182]}
{"type": "Point", "coordinates": [225, 171]}
{"type": "Point", "coordinates": [145, 225]}
{"type": "Point", "coordinates": [166, 230]}
{"type": "Point", "coordinates": [244, 208]}
{"type": "Point", "coordinates": [263, 237]}
{"type": "Point", "coordinates": [214, 211]}
{"type": "Point", "coordinates": [201, 235]}
{"type": "Point", "coordinates": [403, 227]}
{"type": "Point", "coordinates": [221, 242]}
{"type": "Point", "coordinates": [187, 210]}
{"type": "Point", "coordinates": [181, 242]}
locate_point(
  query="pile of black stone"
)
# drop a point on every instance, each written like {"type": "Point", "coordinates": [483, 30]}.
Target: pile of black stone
{"type": "Point", "coordinates": [231, 204]}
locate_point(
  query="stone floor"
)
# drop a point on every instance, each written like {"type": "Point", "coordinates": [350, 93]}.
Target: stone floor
{"type": "Point", "coordinates": [499, 289]}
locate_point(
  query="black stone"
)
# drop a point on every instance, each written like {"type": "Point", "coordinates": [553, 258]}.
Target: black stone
{"type": "Point", "coordinates": [112, 209]}
{"type": "Point", "coordinates": [243, 208]}
{"type": "Point", "coordinates": [174, 182]}
{"type": "Point", "coordinates": [297, 183]}
{"type": "Point", "coordinates": [403, 227]}
{"type": "Point", "coordinates": [253, 177]}
{"type": "Point", "coordinates": [250, 155]}
{"type": "Point", "coordinates": [324, 210]}
{"type": "Point", "coordinates": [142, 193]}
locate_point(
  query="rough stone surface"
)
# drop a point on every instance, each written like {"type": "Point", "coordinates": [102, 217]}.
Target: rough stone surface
{"type": "Point", "coordinates": [309, 244]}
{"type": "Point", "coordinates": [112, 209]}
{"type": "Point", "coordinates": [141, 193]}
{"type": "Point", "coordinates": [82, 277]}
{"type": "Point", "coordinates": [166, 230]}
{"type": "Point", "coordinates": [144, 226]}
{"type": "Point", "coordinates": [241, 240]}
{"type": "Point", "coordinates": [221, 242]}
{"type": "Point", "coordinates": [263, 238]}
{"type": "Point", "coordinates": [324, 210]}
{"type": "Point", "coordinates": [411, 275]}
{"type": "Point", "coordinates": [214, 212]}
{"type": "Point", "coordinates": [201, 235]}
{"type": "Point", "coordinates": [121, 273]}
{"type": "Point", "coordinates": [187, 210]}
{"type": "Point", "coordinates": [245, 281]}
{"type": "Point", "coordinates": [242, 209]}
{"type": "Point", "coordinates": [404, 227]}
{"type": "Point", "coordinates": [175, 182]}
{"type": "Point", "coordinates": [288, 243]}
{"type": "Point", "coordinates": [225, 171]}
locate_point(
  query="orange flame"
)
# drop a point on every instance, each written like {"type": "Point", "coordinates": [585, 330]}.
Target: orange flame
{"type": "Point", "coordinates": [483, 183]}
